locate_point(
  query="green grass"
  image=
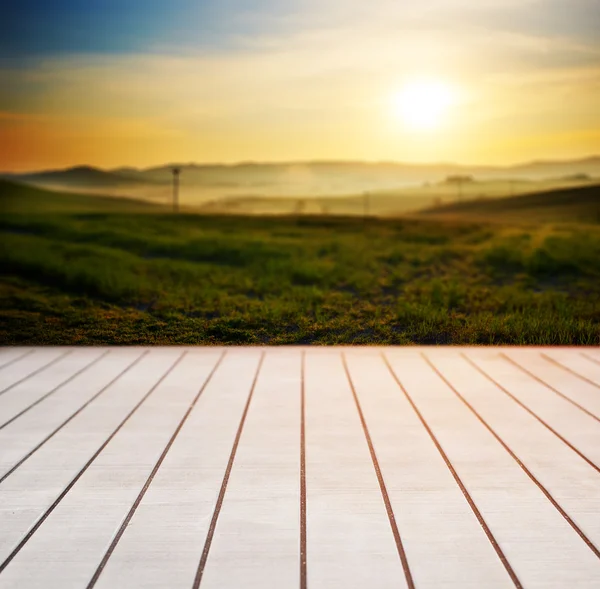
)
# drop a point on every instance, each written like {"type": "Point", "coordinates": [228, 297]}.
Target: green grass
{"type": "Point", "coordinates": [98, 275]}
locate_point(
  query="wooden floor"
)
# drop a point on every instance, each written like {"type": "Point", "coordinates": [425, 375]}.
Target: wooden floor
{"type": "Point", "coordinates": [299, 467]}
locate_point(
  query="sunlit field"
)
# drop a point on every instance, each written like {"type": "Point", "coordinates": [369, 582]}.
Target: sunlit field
{"type": "Point", "coordinates": [100, 271]}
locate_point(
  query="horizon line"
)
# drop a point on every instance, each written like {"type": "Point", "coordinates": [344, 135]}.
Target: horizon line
{"type": "Point", "coordinates": [239, 163]}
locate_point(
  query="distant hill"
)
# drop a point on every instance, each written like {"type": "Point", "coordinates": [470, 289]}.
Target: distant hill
{"type": "Point", "coordinates": [342, 177]}
{"type": "Point", "coordinates": [79, 177]}
{"type": "Point", "coordinates": [570, 204]}
{"type": "Point", "coordinates": [562, 169]}
{"type": "Point", "coordinates": [20, 198]}
{"type": "Point", "coordinates": [204, 182]}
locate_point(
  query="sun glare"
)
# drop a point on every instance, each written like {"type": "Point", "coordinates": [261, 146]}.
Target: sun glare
{"type": "Point", "coordinates": [423, 104]}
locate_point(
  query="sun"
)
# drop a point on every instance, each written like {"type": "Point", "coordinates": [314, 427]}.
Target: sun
{"type": "Point", "coordinates": [423, 104]}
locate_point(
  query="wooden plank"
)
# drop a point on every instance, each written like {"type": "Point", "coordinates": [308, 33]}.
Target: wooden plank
{"type": "Point", "coordinates": [259, 525]}
{"type": "Point", "coordinates": [592, 354]}
{"type": "Point", "coordinates": [434, 518]}
{"type": "Point", "coordinates": [577, 429]}
{"type": "Point", "coordinates": [9, 356]}
{"type": "Point", "coordinates": [561, 382]}
{"type": "Point", "coordinates": [18, 372]}
{"type": "Point", "coordinates": [576, 364]}
{"type": "Point", "coordinates": [473, 477]}
{"type": "Point", "coordinates": [350, 542]}
{"type": "Point", "coordinates": [540, 545]}
{"type": "Point", "coordinates": [163, 544]}
{"type": "Point", "coordinates": [32, 489]}
{"type": "Point", "coordinates": [568, 479]}
{"type": "Point", "coordinates": [45, 383]}
{"type": "Point", "coordinates": [22, 436]}
{"type": "Point", "coordinates": [86, 518]}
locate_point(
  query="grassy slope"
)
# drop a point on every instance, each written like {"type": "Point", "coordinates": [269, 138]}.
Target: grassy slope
{"type": "Point", "coordinates": [570, 204]}
{"type": "Point", "coordinates": [81, 176]}
{"type": "Point", "coordinates": [21, 198]}
{"type": "Point", "coordinates": [96, 273]}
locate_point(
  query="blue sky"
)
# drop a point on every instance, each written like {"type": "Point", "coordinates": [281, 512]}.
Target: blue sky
{"type": "Point", "coordinates": [34, 27]}
{"type": "Point", "coordinates": [145, 81]}
{"type": "Point", "coordinates": [39, 27]}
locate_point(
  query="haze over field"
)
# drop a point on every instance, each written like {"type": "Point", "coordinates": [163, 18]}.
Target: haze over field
{"type": "Point", "coordinates": [319, 187]}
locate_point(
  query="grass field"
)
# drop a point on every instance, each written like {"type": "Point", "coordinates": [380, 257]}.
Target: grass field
{"type": "Point", "coordinates": [85, 271]}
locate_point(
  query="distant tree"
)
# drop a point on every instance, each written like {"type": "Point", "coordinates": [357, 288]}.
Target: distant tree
{"type": "Point", "coordinates": [300, 206]}
{"type": "Point", "coordinates": [458, 179]}
{"type": "Point", "coordinates": [577, 178]}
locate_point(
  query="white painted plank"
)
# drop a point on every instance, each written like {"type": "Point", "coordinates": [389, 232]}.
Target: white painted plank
{"type": "Point", "coordinates": [574, 425]}
{"type": "Point", "coordinates": [87, 517]}
{"type": "Point", "coordinates": [539, 544]}
{"type": "Point", "coordinates": [31, 489]}
{"type": "Point", "coordinates": [8, 355]}
{"type": "Point", "coordinates": [592, 354]}
{"type": "Point", "coordinates": [574, 361]}
{"type": "Point", "coordinates": [350, 542]}
{"type": "Point", "coordinates": [15, 373]}
{"type": "Point", "coordinates": [583, 393]}
{"type": "Point", "coordinates": [259, 525]}
{"type": "Point", "coordinates": [434, 519]}
{"type": "Point", "coordinates": [256, 540]}
{"type": "Point", "coordinates": [163, 544]}
{"type": "Point", "coordinates": [21, 436]}
{"type": "Point", "coordinates": [573, 483]}
{"type": "Point", "coordinates": [33, 389]}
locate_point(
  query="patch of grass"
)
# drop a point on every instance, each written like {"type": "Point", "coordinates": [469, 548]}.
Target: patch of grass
{"type": "Point", "coordinates": [150, 277]}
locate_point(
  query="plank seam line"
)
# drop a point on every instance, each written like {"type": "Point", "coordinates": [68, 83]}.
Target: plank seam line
{"type": "Point", "coordinates": [590, 358]}
{"type": "Point", "coordinates": [14, 360]}
{"type": "Point", "coordinates": [221, 497]}
{"type": "Point", "coordinates": [382, 486]}
{"type": "Point", "coordinates": [531, 412]}
{"type": "Point", "coordinates": [303, 553]}
{"type": "Point", "coordinates": [64, 492]}
{"type": "Point", "coordinates": [561, 365]}
{"type": "Point", "coordinates": [69, 419]}
{"type": "Point", "coordinates": [55, 389]}
{"type": "Point", "coordinates": [549, 386]}
{"type": "Point", "coordinates": [533, 478]}
{"type": "Point", "coordinates": [459, 482]}
{"type": "Point", "coordinates": [151, 476]}
{"type": "Point", "coordinates": [37, 371]}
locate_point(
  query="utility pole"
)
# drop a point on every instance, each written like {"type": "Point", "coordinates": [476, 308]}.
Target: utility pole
{"type": "Point", "coordinates": [176, 172]}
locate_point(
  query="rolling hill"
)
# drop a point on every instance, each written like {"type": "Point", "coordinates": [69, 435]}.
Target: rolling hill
{"type": "Point", "coordinates": [21, 198]}
{"type": "Point", "coordinates": [207, 182]}
{"type": "Point", "coordinates": [80, 177]}
{"type": "Point", "coordinates": [581, 204]}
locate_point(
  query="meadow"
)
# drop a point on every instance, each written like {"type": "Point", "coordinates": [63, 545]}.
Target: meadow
{"type": "Point", "coordinates": [101, 271]}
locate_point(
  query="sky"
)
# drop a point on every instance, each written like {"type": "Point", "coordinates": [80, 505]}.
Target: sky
{"type": "Point", "coordinates": [145, 82]}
